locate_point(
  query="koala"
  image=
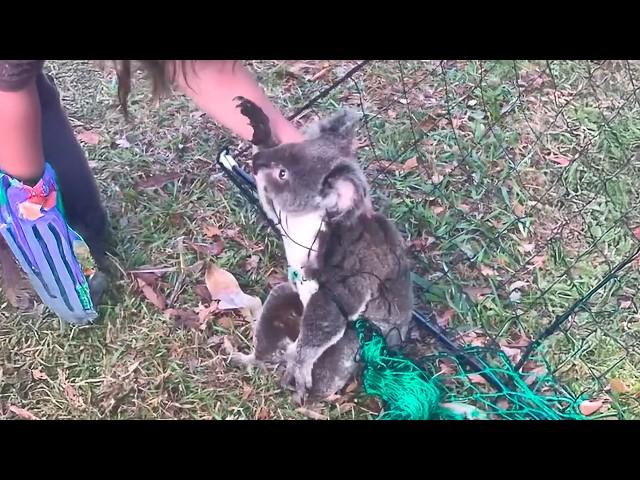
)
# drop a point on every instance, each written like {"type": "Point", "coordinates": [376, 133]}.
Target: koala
{"type": "Point", "coordinates": [276, 330]}
{"type": "Point", "coordinates": [348, 260]}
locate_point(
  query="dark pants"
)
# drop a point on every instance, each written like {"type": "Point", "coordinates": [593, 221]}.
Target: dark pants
{"type": "Point", "coordinates": [80, 197]}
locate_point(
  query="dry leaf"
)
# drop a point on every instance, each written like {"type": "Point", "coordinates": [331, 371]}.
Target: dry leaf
{"type": "Point", "coordinates": [625, 303]}
{"type": "Point", "coordinates": [263, 413]}
{"type": "Point", "coordinates": [344, 407]}
{"type": "Point", "coordinates": [184, 318]}
{"type": "Point", "coordinates": [487, 272]}
{"type": "Point", "coordinates": [436, 178]}
{"type": "Point", "coordinates": [514, 354]}
{"type": "Point", "coordinates": [321, 74]}
{"type": "Point", "coordinates": [589, 407]}
{"type": "Point", "coordinates": [534, 374]}
{"type": "Point", "coordinates": [517, 285]}
{"type": "Point", "coordinates": [618, 386]}
{"type": "Point", "coordinates": [72, 395]}
{"type": "Point", "coordinates": [247, 390]}
{"type": "Point", "coordinates": [523, 341]}
{"type": "Point", "coordinates": [157, 181]}
{"type": "Point", "coordinates": [297, 68]}
{"type": "Point", "coordinates": [437, 210]}
{"type": "Point", "coordinates": [251, 263]}
{"type": "Point", "coordinates": [444, 319]}
{"type": "Point", "coordinates": [560, 160]}
{"type": "Point", "coordinates": [224, 287]}
{"type": "Point", "coordinates": [204, 312]}
{"type": "Point", "coordinates": [423, 243]}
{"type": "Point", "coordinates": [410, 164]}
{"type": "Point", "coordinates": [154, 297]}
{"type": "Point", "coordinates": [22, 413]}
{"type": "Point", "coordinates": [428, 123]}
{"type": "Point", "coordinates": [214, 249]}
{"type": "Point", "coordinates": [203, 292]}
{"type": "Point", "coordinates": [477, 379]}
{"type": "Point", "coordinates": [477, 293]}
{"type": "Point", "coordinates": [38, 374]}
{"type": "Point", "coordinates": [446, 368]}
{"type": "Point", "coordinates": [636, 232]}
{"type": "Point", "coordinates": [311, 414]}
{"type": "Point", "coordinates": [351, 387]}
{"type": "Point", "coordinates": [361, 143]}
{"type": "Point", "coordinates": [90, 137]}
{"type": "Point", "coordinates": [232, 233]}
{"type": "Point", "coordinates": [538, 261]}
{"type": "Point", "coordinates": [149, 278]}
{"type": "Point", "coordinates": [518, 209]}
{"type": "Point", "coordinates": [528, 247]}
{"type": "Point", "coordinates": [211, 231]}
{"type": "Point", "coordinates": [225, 322]}
{"type": "Point", "coordinates": [227, 346]}
{"type": "Point", "coordinates": [371, 405]}
{"type": "Point", "coordinates": [387, 166]}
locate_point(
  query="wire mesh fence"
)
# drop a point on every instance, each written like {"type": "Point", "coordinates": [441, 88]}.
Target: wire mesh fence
{"type": "Point", "coordinates": [514, 183]}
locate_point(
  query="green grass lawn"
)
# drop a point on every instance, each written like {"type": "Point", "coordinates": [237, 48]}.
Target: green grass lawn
{"type": "Point", "coordinates": [513, 183]}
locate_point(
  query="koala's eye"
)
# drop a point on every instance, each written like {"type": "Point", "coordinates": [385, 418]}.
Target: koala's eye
{"type": "Point", "coordinates": [282, 174]}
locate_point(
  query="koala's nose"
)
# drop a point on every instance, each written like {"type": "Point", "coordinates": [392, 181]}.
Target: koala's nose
{"type": "Point", "coordinates": [259, 161]}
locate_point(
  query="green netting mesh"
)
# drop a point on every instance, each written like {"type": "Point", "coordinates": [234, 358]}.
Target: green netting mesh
{"type": "Point", "coordinates": [439, 387]}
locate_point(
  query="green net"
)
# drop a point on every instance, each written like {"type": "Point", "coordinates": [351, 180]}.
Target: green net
{"type": "Point", "coordinates": [439, 386]}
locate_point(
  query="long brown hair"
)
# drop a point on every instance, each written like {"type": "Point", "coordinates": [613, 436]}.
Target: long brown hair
{"type": "Point", "coordinates": [162, 74]}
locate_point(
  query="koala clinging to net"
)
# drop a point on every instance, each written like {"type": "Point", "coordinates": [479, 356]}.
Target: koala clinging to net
{"type": "Point", "coordinates": [345, 260]}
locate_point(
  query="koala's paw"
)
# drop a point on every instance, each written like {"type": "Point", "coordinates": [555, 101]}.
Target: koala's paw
{"type": "Point", "coordinates": [287, 379]}
{"type": "Point", "coordinates": [238, 359]}
{"type": "Point", "coordinates": [303, 379]}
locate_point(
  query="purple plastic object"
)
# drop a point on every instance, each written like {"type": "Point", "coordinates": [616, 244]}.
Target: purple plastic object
{"type": "Point", "coordinates": [33, 225]}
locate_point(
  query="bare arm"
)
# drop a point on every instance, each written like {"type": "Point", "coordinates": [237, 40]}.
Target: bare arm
{"type": "Point", "coordinates": [213, 85]}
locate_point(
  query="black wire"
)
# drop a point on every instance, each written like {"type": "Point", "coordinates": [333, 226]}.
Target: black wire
{"type": "Point", "coordinates": [555, 325]}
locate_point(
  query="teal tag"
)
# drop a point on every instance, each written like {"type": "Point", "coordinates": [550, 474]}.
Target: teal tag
{"type": "Point", "coordinates": [294, 275]}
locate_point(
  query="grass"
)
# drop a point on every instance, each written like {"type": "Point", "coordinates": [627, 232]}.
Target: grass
{"type": "Point", "coordinates": [515, 185]}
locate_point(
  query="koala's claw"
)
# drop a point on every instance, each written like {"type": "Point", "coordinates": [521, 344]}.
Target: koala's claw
{"type": "Point", "coordinates": [303, 379]}
{"type": "Point", "coordinates": [238, 359]}
{"type": "Point", "coordinates": [286, 380]}
{"type": "Point", "coordinates": [299, 397]}
{"type": "Point", "coordinates": [258, 121]}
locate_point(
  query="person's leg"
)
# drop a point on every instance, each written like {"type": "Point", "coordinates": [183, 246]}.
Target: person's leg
{"type": "Point", "coordinates": [80, 196]}
{"type": "Point", "coordinates": [33, 228]}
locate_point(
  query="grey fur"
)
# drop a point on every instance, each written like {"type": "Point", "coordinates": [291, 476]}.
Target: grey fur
{"type": "Point", "coordinates": [277, 329]}
{"type": "Point", "coordinates": [360, 266]}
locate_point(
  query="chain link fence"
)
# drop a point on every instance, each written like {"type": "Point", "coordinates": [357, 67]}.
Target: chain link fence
{"type": "Point", "coordinates": [514, 183]}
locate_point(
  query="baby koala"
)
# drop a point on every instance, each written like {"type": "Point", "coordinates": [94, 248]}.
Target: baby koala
{"type": "Point", "coordinates": [345, 259]}
{"type": "Point", "coordinates": [276, 330]}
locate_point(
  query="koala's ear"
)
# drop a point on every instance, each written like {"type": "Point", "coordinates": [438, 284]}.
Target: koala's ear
{"type": "Point", "coordinates": [262, 136]}
{"type": "Point", "coordinates": [344, 190]}
{"type": "Point", "coordinates": [340, 127]}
